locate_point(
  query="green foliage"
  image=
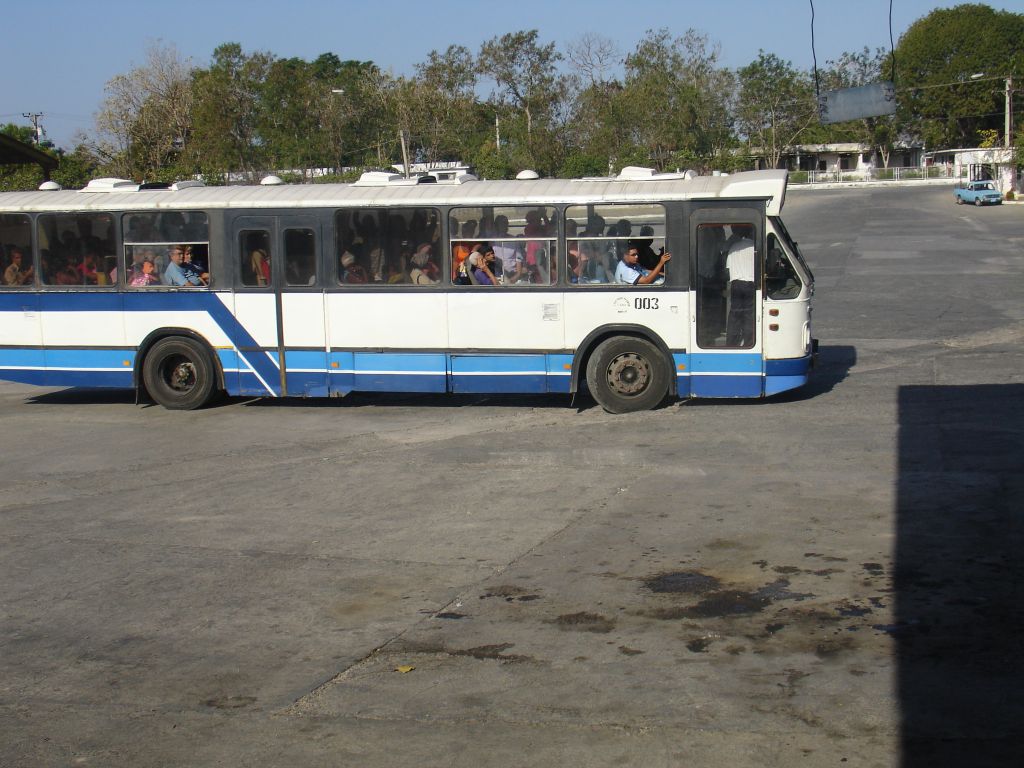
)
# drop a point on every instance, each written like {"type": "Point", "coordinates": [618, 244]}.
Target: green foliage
{"type": "Point", "coordinates": [665, 102]}
{"type": "Point", "coordinates": [935, 59]}
{"type": "Point", "coordinates": [228, 110]}
{"type": "Point", "coordinates": [524, 73]}
{"type": "Point", "coordinates": [775, 105]}
{"type": "Point", "coordinates": [578, 164]}
{"type": "Point", "coordinates": [492, 164]}
{"type": "Point", "coordinates": [73, 171]}
{"type": "Point", "coordinates": [677, 98]}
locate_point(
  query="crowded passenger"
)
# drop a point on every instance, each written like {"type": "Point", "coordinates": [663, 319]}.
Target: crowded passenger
{"type": "Point", "coordinates": [421, 261]}
{"type": "Point", "coordinates": [629, 271]}
{"type": "Point", "coordinates": [17, 273]}
{"type": "Point", "coordinates": [145, 276]}
{"type": "Point", "coordinates": [351, 272]}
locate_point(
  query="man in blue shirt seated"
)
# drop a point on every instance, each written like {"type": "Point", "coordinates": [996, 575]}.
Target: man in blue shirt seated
{"type": "Point", "coordinates": [630, 272]}
{"type": "Point", "coordinates": [174, 274]}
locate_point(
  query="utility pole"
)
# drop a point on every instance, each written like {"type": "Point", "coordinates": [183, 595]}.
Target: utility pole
{"type": "Point", "coordinates": [36, 129]}
{"type": "Point", "coordinates": [1008, 138]}
{"type": "Point", "coordinates": [497, 134]}
{"type": "Point", "coordinates": [405, 153]}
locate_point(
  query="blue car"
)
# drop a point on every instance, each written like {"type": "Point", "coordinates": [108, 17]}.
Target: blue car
{"type": "Point", "coordinates": [978, 192]}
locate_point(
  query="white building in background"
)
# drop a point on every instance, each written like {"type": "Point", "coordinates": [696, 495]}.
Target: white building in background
{"type": "Point", "coordinates": [846, 156]}
{"type": "Point", "coordinates": [995, 163]}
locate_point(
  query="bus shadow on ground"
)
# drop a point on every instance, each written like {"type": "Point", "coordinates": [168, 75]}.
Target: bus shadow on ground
{"type": "Point", "coordinates": [85, 396]}
{"type": "Point", "coordinates": [957, 575]}
{"type": "Point", "coordinates": [420, 400]}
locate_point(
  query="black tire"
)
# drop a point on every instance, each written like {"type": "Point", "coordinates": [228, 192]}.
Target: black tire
{"type": "Point", "coordinates": [959, 200]}
{"type": "Point", "coordinates": [627, 374]}
{"type": "Point", "coordinates": [978, 202]}
{"type": "Point", "coordinates": [178, 374]}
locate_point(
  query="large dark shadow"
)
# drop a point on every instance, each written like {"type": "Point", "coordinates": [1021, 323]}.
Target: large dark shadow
{"type": "Point", "coordinates": [957, 580]}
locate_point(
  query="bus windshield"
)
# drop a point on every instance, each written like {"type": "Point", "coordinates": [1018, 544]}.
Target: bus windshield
{"type": "Point", "coordinates": [788, 238]}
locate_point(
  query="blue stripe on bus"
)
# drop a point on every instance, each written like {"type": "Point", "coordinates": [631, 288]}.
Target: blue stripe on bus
{"type": "Point", "coordinates": [775, 384]}
{"type": "Point", "coordinates": [783, 375]}
{"type": "Point", "coordinates": [122, 359]}
{"type": "Point", "coordinates": [559, 373]}
{"type": "Point", "coordinates": [306, 360]}
{"type": "Point", "coordinates": [13, 301]}
{"type": "Point", "coordinates": [499, 373]}
{"type": "Point", "coordinates": [47, 377]}
{"type": "Point", "coordinates": [399, 382]}
{"type": "Point", "coordinates": [681, 363]}
{"type": "Point", "coordinates": [726, 386]}
{"type": "Point", "coordinates": [399, 362]}
{"type": "Point", "coordinates": [22, 357]}
{"type": "Point", "coordinates": [725, 362]}
{"type": "Point", "coordinates": [795, 366]}
{"type": "Point", "coordinates": [400, 372]}
{"type": "Point", "coordinates": [308, 384]}
{"type": "Point", "coordinates": [498, 364]}
{"type": "Point", "coordinates": [82, 301]}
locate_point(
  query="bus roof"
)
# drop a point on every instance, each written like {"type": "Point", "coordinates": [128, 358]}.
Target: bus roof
{"type": "Point", "coordinates": [769, 186]}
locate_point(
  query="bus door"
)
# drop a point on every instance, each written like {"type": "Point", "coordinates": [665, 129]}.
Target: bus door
{"type": "Point", "coordinates": [298, 288]}
{"type": "Point", "coordinates": [258, 336]}
{"type": "Point", "coordinates": [726, 358]}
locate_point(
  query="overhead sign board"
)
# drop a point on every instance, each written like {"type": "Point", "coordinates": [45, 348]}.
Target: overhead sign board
{"type": "Point", "coordinates": [845, 104]}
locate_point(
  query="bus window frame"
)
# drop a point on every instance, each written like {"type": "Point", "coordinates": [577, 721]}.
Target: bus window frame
{"type": "Point", "coordinates": [122, 279]}
{"type": "Point", "coordinates": [38, 258]}
{"type": "Point", "coordinates": [675, 276]}
{"type": "Point", "coordinates": [28, 255]}
{"type": "Point", "coordinates": [332, 275]}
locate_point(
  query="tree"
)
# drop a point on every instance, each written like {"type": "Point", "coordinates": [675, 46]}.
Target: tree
{"type": "Point", "coordinates": [449, 126]}
{"type": "Point", "coordinates": [935, 59]}
{"type": "Point", "coordinates": [73, 171]}
{"type": "Point", "coordinates": [774, 107]}
{"type": "Point", "coordinates": [228, 111]}
{"type": "Point", "coordinates": [526, 80]}
{"type": "Point", "coordinates": [145, 121]}
{"type": "Point", "coordinates": [852, 70]}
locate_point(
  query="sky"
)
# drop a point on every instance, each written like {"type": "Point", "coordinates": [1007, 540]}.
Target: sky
{"type": "Point", "coordinates": [67, 50]}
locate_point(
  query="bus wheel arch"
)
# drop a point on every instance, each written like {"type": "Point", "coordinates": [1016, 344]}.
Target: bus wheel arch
{"type": "Point", "coordinates": [178, 369]}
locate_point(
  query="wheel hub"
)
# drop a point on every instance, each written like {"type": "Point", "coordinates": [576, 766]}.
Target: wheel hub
{"type": "Point", "coordinates": [628, 374]}
{"type": "Point", "coordinates": [181, 375]}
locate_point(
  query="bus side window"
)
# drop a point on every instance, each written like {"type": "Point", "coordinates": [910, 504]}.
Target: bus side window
{"type": "Point", "coordinates": [597, 237]}
{"type": "Point", "coordinates": [299, 257]}
{"type": "Point", "coordinates": [254, 252]}
{"type": "Point", "coordinates": [75, 249]}
{"type": "Point", "coordinates": [155, 241]}
{"type": "Point", "coordinates": [523, 238]}
{"type": "Point", "coordinates": [16, 269]}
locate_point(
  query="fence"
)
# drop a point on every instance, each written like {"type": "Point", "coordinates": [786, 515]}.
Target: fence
{"type": "Point", "coordinates": [873, 174]}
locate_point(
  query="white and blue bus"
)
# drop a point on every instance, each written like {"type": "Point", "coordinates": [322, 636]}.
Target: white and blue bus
{"type": "Point", "coordinates": [184, 291]}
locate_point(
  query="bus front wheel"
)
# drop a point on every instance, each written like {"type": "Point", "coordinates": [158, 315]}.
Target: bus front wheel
{"type": "Point", "coordinates": [178, 374]}
{"type": "Point", "coordinates": [627, 374]}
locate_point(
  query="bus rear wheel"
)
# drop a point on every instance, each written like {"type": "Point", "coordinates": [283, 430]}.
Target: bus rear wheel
{"type": "Point", "coordinates": [627, 374]}
{"type": "Point", "coordinates": [178, 374]}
